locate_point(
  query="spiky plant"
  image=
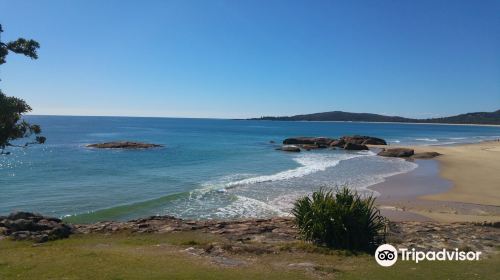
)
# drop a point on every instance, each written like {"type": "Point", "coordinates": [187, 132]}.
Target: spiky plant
{"type": "Point", "coordinates": [341, 219]}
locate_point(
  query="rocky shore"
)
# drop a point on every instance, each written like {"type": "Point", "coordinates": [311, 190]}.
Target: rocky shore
{"type": "Point", "coordinates": [483, 237]}
{"type": "Point", "coordinates": [420, 235]}
{"type": "Point", "coordinates": [35, 227]}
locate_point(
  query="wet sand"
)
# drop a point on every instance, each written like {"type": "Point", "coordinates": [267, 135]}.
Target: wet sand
{"type": "Point", "coordinates": [425, 194]}
{"type": "Point", "coordinates": [474, 170]}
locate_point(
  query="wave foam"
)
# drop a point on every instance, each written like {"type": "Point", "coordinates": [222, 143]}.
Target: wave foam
{"type": "Point", "coordinates": [427, 139]}
{"type": "Point", "coordinates": [311, 163]}
{"type": "Point", "coordinates": [248, 208]}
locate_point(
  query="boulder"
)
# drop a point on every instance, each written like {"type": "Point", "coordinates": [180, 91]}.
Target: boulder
{"type": "Point", "coordinates": [289, 148]}
{"type": "Point", "coordinates": [23, 215]}
{"type": "Point", "coordinates": [355, 147]}
{"type": "Point", "coordinates": [35, 227]}
{"type": "Point", "coordinates": [323, 141]}
{"type": "Point", "coordinates": [123, 145]}
{"type": "Point", "coordinates": [396, 152]}
{"type": "Point", "coordinates": [364, 140]}
{"type": "Point", "coordinates": [337, 143]}
{"type": "Point", "coordinates": [426, 155]}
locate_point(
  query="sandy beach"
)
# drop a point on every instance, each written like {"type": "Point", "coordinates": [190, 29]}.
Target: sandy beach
{"type": "Point", "coordinates": [463, 184]}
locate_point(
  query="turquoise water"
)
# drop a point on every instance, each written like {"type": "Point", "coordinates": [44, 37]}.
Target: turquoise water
{"type": "Point", "coordinates": [207, 169]}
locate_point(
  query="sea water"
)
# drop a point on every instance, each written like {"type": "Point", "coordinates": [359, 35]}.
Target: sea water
{"type": "Point", "coordinates": [207, 168]}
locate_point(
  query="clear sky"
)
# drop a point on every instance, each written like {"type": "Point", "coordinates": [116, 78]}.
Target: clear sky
{"type": "Point", "coordinates": [238, 58]}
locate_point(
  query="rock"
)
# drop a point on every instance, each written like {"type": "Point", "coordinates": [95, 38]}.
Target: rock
{"type": "Point", "coordinates": [320, 141]}
{"type": "Point", "coordinates": [364, 140]}
{"type": "Point", "coordinates": [21, 225]}
{"type": "Point", "coordinates": [35, 227]}
{"type": "Point", "coordinates": [59, 232]}
{"type": "Point", "coordinates": [426, 155]}
{"type": "Point", "coordinates": [123, 145]}
{"type": "Point", "coordinates": [489, 224]}
{"type": "Point", "coordinates": [309, 147]}
{"type": "Point", "coordinates": [426, 235]}
{"type": "Point", "coordinates": [355, 147]}
{"type": "Point", "coordinates": [289, 148]}
{"type": "Point", "coordinates": [4, 231]}
{"type": "Point", "coordinates": [338, 143]}
{"type": "Point", "coordinates": [41, 238]}
{"type": "Point", "coordinates": [23, 215]}
{"type": "Point", "coordinates": [396, 152]}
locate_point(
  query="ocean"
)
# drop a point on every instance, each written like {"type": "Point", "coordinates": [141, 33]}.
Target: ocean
{"type": "Point", "coordinates": [208, 168]}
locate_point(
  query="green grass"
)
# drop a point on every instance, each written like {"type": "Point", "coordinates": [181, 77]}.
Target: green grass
{"type": "Point", "coordinates": [160, 256]}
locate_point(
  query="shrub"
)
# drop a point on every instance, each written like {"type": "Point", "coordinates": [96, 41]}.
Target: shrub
{"type": "Point", "coordinates": [341, 219]}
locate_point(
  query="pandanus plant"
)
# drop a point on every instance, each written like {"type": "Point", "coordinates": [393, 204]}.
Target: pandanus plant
{"type": "Point", "coordinates": [341, 219]}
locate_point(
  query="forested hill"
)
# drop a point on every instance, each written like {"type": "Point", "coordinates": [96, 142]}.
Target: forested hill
{"type": "Point", "coordinates": [469, 118]}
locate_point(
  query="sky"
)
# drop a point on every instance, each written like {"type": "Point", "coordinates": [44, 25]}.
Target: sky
{"type": "Point", "coordinates": [237, 59]}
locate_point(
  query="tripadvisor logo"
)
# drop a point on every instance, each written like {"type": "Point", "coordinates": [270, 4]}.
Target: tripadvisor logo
{"type": "Point", "coordinates": [387, 255]}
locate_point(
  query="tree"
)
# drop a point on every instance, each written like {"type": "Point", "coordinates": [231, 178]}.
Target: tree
{"type": "Point", "coordinates": [12, 124]}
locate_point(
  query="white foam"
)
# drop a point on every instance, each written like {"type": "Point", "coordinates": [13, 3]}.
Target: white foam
{"type": "Point", "coordinates": [311, 163]}
{"type": "Point", "coordinates": [444, 143]}
{"type": "Point", "coordinates": [218, 185]}
{"type": "Point", "coordinates": [427, 139]}
{"type": "Point", "coordinates": [248, 208]}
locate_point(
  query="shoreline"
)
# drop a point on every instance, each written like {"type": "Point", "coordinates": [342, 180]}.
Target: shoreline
{"type": "Point", "coordinates": [459, 185]}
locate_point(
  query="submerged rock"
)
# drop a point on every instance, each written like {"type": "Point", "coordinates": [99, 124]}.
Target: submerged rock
{"type": "Point", "coordinates": [123, 145]}
{"type": "Point", "coordinates": [396, 152]}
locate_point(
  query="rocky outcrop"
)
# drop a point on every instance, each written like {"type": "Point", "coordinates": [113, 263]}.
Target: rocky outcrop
{"type": "Point", "coordinates": [425, 155]}
{"type": "Point", "coordinates": [356, 142]}
{"type": "Point", "coordinates": [421, 235]}
{"type": "Point", "coordinates": [363, 140]}
{"type": "Point", "coordinates": [289, 148]}
{"type": "Point", "coordinates": [123, 145]}
{"type": "Point", "coordinates": [396, 152]}
{"type": "Point", "coordinates": [318, 141]}
{"type": "Point", "coordinates": [277, 228]}
{"type": "Point", "coordinates": [434, 236]}
{"type": "Point", "coordinates": [355, 147]}
{"type": "Point", "coordinates": [30, 226]}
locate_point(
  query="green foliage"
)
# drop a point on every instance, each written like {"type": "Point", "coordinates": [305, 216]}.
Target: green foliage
{"type": "Point", "coordinates": [12, 125]}
{"type": "Point", "coordinates": [342, 220]}
{"type": "Point", "coordinates": [19, 46]}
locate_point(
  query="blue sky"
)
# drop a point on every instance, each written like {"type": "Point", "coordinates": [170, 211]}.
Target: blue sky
{"type": "Point", "coordinates": [237, 58]}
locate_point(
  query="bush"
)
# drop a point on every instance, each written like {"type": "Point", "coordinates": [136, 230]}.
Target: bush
{"type": "Point", "coordinates": [341, 219]}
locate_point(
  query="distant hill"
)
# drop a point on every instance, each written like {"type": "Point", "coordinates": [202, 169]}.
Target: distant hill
{"type": "Point", "coordinates": [469, 118]}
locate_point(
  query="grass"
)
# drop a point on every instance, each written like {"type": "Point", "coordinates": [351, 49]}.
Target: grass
{"type": "Point", "coordinates": [160, 256]}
